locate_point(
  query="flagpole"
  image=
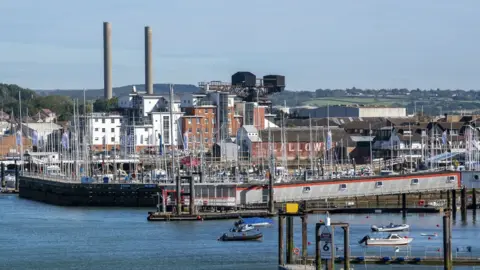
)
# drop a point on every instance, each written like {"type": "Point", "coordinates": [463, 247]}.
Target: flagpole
{"type": "Point", "coordinates": [371, 151]}
{"type": "Point", "coordinates": [21, 131]}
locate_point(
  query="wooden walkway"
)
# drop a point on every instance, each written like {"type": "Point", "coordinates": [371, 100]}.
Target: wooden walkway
{"type": "Point", "coordinates": [420, 260]}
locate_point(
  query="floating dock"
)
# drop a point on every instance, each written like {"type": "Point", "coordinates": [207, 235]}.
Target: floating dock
{"type": "Point", "coordinates": [385, 260]}
{"type": "Point", "coordinates": [158, 216]}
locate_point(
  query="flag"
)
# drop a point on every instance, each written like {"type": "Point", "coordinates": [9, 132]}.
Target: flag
{"type": "Point", "coordinates": [19, 138]}
{"type": "Point", "coordinates": [35, 138]}
{"type": "Point", "coordinates": [160, 151]}
{"type": "Point", "coordinates": [444, 137]}
{"type": "Point", "coordinates": [65, 140]}
{"type": "Point", "coordinates": [185, 141]}
{"type": "Point", "coordinates": [329, 140]}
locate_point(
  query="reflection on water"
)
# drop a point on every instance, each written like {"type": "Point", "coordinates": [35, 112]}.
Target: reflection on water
{"type": "Point", "coordinates": [40, 236]}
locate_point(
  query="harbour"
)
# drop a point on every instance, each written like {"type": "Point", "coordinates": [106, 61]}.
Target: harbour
{"type": "Point", "coordinates": [121, 238]}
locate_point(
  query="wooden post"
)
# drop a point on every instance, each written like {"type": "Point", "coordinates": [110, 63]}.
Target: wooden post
{"type": "Point", "coordinates": [474, 199]}
{"type": "Point", "coordinates": [304, 238]}
{"type": "Point", "coordinates": [290, 240]}
{"type": "Point", "coordinates": [449, 202]}
{"type": "Point", "coordinates": [281, 251]}
{"type": "Point", "coordinates": [192, 195]}
{"type": "Point", "coordinates": [378, 201]}
{"type": "Point", "coordinates": [331, 263]}
{"type": "Point", "coordinates": [404, 205]}
{"type": "Point", "coordinates": [454, 202]}
{"type": "Point", "coordinates": [318, 252]}
{"type": "Point", "coordinates": [346, 247]}
{"type": "Point", "coordinates": [17, 178]}
{"type": "Point", "coordinates": [447, 241]}
{"type": "Point", "coordinates": [271, 204]}
{"type": "Point", "coordinates": [463, 203]}
{"type": "Point", "coordinates": [2, 174]}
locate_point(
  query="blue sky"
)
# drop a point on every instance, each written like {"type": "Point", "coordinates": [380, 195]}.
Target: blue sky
{"type": "Point", "coordinates": [57, 44]}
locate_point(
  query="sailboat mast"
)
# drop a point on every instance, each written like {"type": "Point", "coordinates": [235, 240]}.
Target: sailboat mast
{"type": "Point", "coordinates": [311, 148]}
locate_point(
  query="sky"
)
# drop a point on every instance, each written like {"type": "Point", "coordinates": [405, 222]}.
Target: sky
{"type": "Point", "coordinates": [57, 44]}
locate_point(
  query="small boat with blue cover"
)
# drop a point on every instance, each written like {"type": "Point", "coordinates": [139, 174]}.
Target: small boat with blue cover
{"type": "Point", "coordinates": [255, 222]}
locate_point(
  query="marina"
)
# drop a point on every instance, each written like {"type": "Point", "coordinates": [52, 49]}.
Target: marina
{"type": "Point", "coordinates": [138, 243]}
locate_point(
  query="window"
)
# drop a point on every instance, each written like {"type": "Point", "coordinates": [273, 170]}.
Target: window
{"type": "Point", "coordinates": [96, 138]}
{"type": "Point", "coordinates": [166, 129]}
{"type": "Point", "coordinates": [96, 120]}
{"type": "Point", "coordinates": [198, 130]}
{"type": "Point", "coordinates": [103, 129]}
{"type": "Point", "coordinates": [96, 129]}
{"type": "Point", "coordinates": [112, 139]}
{"type": "Point", "coordinates": [206, 129]}
{"type": "Point", "coordinates": [146, 129]}
{"type": "Point", "coordinates": [206, 140]}
{"type": "Point", "coordinates": [112, 130]}
{"type": "Point", "coordinates": [213, 121]}
{"type": "Point", "coordinates": [414, 182]}
{"type": "Point", "coordinates": [379, 184]}
{"type": "Point", "coordinates": [112, 121]}
{"type": "Point", "coordinates": [198, 121]}
{"type": "Point", "coordinates": [451, 179]}
{"type": "Point", "coordinates": [189, 121]}
{"type": "Point", "coordinates": [476, 177]}
{"type": "Point", "coordinates": [190, 130]}
{"type": "Point", "coordinates": [206, 121]}
{"type": "Point", "coordinates": [306, 189]}
{"type": "Point", "coordinates": [343, 187]}
{"type": "Point", "coordinates": [103, 121]}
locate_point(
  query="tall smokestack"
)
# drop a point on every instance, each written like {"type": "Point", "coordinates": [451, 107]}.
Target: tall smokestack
{"type": "Point", "coordinates": [107, 60]}
{"type": "Point", "coordinates": [148, 61]}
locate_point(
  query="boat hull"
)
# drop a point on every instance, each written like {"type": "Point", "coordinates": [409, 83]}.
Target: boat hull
{"type": "Point", "coordinates": [256, 237]}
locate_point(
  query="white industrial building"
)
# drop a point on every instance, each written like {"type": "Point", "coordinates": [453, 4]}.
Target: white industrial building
{"type": "Point", "coordinates": [350, 111]}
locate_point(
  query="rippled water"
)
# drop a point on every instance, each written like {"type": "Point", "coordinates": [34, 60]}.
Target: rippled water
{"type": "Point", "coordinates": [39, 236]}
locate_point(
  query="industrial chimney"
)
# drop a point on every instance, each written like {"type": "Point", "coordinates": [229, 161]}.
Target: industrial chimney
{"type": "Point", "coordinates": [148, 61]}
{"type": "Point", "coordinates": [107, 61]}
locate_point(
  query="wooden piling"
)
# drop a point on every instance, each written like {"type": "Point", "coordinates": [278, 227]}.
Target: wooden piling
{"type": "Point", "coordinates": [304, 238]}
{"type": "Point", "coordinates": [474, 199]}
{"type": "Point", "coordinates": [447, 241]}
{"type": "Point", "coordinates": [454, 202]}
{"type": "Point", "coordinates": [2, 174]}
{"type": "Point", "coordinates": [290, 243]}
{"type": "Point", "coordinates": [281, 251]}
{"type": "Point", "coordinates": [378, 201]}
{"type": "Point", "coordinates": [17, 178]}
{"type": "Point", "coordinates": [404, 205]}
{"type": "Point", "coordinates": [318, 257]}
{"type": "Point", "coordinates": [449, 202]}
{"type": "Point", "coordinates": [191, 207]}
{"type": "Point", "coordinates": [346, 247]}
{"type": "Point", "coordinates": [463, 203]}
{"type": "Point", "coordinates": [271, 204]}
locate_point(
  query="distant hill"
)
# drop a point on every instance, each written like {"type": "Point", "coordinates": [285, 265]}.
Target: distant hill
{"type": "Point", "coordinates": [92, 94]}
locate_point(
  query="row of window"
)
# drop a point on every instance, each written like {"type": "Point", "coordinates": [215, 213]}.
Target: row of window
{"type": "Point", "coordinates": [379, 184]}
{"type": "Point", "coordinates": [189, 121]}
{"type": "Point", "coordinates": [199, 130]}
{"type": "Point", "coordinates": [112, 120]}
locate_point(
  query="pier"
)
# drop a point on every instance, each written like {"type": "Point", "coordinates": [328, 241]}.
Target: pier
{"type": "Point", "coordinates": [291, 258]}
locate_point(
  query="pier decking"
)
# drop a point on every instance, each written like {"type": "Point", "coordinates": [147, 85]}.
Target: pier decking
{"type": "Point", "coordinates": [155, 216]}
{"type": "Point", "coordinates": [386, 260]}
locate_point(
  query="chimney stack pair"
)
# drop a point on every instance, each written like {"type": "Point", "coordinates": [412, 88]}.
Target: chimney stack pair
{"type": "Point", "coordinates": [107, 61]}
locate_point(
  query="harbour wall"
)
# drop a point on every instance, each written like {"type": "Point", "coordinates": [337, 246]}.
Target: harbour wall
{"type": "Point", "coordinates": [233, 195]}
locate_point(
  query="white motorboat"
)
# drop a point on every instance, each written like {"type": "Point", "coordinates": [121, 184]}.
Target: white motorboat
{"type": "Point", "coordinates": [390, 240]}
{"type": "Point", "coordinates": [391, 228]}
{"type": "Point", "coordinates": [429, 234]}
{"type": "Point", "coordinates": [243, 228]}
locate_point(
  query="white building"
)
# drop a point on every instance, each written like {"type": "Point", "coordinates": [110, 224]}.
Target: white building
{"type": "Point", "coordinates": [102, 129]}
{"type": "Point", "coordinates": [350, 111]}
{"type": "Point", "coordinates": [43, 131]}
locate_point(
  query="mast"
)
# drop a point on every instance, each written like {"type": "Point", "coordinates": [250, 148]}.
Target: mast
{"type": "Point", "coordinates": [371, 150]}
{"type": "Point", "coordinates": [411, 157]}
{"type": "Point", "coordinates": [21, 130]}
{"type": "Point", "coordinates": [311, 146]}
{"type": "Point", "coordinates": [178, 185]}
